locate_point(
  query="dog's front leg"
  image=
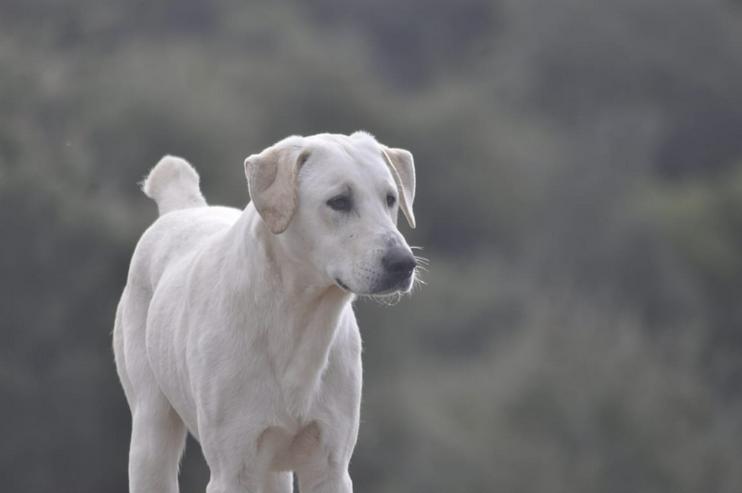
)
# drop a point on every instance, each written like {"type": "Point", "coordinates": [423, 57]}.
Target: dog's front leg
{"type": "Point", "coordinates": [278, 482]}
{"type": "Point", "coordinates": [233, 477]}
{"type": "Point", "coordinates": [324, 479]}
{"type": "Point", "coordinates": [233, 463]}
{"type": "Point", "coordinates": [324, 470]}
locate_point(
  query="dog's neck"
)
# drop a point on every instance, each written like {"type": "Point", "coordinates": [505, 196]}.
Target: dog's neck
{"type": "Point", "coordinates": [301, 313]}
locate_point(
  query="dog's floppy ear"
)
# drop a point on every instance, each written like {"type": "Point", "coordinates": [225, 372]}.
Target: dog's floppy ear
{"type": "Point", "coordinates": [402, 166]}
{"type": "Point", "coordinates": [271, 181]}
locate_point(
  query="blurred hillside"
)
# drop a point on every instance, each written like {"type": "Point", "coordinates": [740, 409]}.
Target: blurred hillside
{"type": "Point", "coordinates": [579, 196]}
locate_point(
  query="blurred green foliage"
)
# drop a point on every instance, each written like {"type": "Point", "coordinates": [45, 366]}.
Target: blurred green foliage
{"type": "Point", "coordinates": [579, 196]}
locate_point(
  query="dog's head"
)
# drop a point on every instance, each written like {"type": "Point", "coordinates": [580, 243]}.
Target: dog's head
{"type": "Point", "coordinates": [332, 202]}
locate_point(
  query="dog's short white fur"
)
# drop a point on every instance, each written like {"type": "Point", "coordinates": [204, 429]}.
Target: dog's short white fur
{"type": "Point", "coordinates": [237, 325]}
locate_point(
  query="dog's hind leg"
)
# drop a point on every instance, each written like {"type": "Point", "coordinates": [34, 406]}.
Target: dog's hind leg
{"type": "Point", "coordinates": [157, 441]}
{"type": "Point", "coordinates": [158, 434]}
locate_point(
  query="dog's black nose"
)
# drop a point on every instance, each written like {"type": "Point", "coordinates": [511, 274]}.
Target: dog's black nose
{"type": "Point", "coordinates": [399, 262]}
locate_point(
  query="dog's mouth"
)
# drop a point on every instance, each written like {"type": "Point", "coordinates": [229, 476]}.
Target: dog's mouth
{"type": "Point", "coordinates": [393, 286]}
{"type": "Point", "coordinates": [342, 285]}
{"type": "Point", "coordinates": [386, 288]}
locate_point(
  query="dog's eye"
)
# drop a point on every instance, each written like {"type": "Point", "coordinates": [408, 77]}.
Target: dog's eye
{"type": "Point", "coordinates": [340, 203]}
{"type": "Point", "coordinates": [390, 200]}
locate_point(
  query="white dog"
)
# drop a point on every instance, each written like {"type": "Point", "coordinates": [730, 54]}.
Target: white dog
{"type": "Point", "coordinates": [237, 325]}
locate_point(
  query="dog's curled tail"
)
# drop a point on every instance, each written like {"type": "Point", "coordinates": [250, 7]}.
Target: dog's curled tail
{"type": "Point", "coordinates": [173, 184]}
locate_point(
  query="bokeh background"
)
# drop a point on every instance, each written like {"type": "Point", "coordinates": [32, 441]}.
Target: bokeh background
{"type": "Point", "coordinates": [579, 197]}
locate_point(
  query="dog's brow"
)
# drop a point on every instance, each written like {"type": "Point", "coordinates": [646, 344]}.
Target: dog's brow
{"type": "Point", "coordinates": [341, 189]}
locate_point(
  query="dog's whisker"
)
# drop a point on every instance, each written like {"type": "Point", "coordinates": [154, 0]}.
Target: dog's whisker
{"type": "Point", "coordinates": [418, 284]}
{"type": "Point", "coordinates": [422, 261]}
